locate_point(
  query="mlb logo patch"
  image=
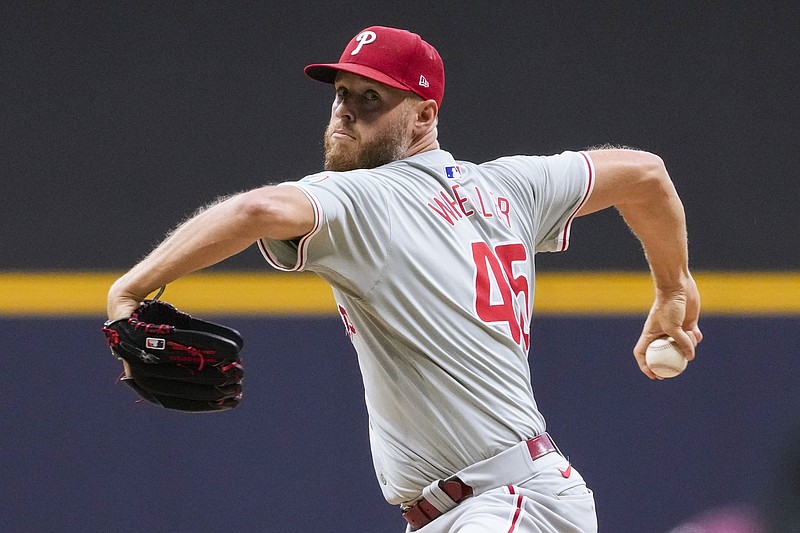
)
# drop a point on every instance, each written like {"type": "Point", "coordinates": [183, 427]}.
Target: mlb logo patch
{"type": "Point", "coordinates": [453, 173]}
{"type": "Point", "coordinates": [155, 344]}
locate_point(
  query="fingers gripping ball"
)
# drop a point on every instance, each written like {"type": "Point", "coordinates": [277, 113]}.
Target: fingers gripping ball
{"type": "Point", "coordinates": [665, 358]}
{"type": "Point", "coordinates": [178, 361]}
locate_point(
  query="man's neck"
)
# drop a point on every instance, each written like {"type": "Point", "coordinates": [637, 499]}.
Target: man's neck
{"type": "Point", "coordinates": [425, 143]}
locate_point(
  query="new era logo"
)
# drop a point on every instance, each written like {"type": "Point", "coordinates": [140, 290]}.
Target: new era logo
{"type": "Point", "coordinates": [423, 82]}
{"type": "Point", "coordinates": [155, 344]}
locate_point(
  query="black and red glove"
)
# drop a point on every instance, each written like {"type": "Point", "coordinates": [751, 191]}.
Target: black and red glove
{"type": "Point", "coordinates": [178, 361]}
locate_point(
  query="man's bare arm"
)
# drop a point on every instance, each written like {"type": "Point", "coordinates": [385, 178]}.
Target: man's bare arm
{"type": "Point", "coordinates": [212, 235]}
{"type": "Point", "coordinates": [638, 186]}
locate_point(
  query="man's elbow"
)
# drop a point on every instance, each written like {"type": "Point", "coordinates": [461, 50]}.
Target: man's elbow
{"type": "Point", "coordinates": [647, 178]}
{"type": "Point", "coordinates": [626, 177]}
{"type": "Point", "coordinates": [653, 169]}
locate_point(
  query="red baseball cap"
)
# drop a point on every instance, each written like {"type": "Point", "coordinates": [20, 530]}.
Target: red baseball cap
{"type": "Point", "coordinates": [397, 58]}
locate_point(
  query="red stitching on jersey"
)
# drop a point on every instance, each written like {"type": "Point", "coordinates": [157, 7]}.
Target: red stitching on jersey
{"type": "Point", "coordinates": [517, 514]}
{"type": "Point", "coordinates": [302, 246]}
{"type": "Point", "coordinates": [589, 186]}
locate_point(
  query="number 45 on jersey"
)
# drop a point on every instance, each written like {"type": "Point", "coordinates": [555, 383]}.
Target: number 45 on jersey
{"type": "Point", "coordinates": [501, 297]}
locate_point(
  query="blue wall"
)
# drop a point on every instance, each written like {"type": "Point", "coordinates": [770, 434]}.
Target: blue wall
{"type": "Point", "coordinates": [77, 454]}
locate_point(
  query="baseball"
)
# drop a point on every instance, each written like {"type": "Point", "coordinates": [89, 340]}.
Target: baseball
{"type": "Point", "coordinates": [664, 358]}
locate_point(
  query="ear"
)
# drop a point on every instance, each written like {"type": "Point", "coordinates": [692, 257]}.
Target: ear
{"type": "Point", "coordinates": [427, 113]}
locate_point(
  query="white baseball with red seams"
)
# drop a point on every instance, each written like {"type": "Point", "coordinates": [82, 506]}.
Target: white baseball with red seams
{"type": "Point", "coordinates": [664, 358]}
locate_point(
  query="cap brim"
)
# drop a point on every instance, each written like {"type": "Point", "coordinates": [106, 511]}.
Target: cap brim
{"type": "Point", "coordinates": [327, 73]}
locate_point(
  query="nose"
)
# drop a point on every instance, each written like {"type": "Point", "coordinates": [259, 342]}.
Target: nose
{"type": "Point", "coordinates": [342, 110]}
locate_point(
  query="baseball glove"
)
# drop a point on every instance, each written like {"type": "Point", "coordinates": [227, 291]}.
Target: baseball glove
{"type": "Point", "coordinates": [178, 361]}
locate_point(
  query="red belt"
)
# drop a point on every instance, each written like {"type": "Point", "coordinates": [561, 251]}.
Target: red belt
{"type": "Point", "coordinates": [422, 512]}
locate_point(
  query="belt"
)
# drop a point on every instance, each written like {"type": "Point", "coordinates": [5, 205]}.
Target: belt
{"type": "Point", "coordinates": [443, 495]}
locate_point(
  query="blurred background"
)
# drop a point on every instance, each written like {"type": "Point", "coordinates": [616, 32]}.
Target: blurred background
{"type": "Point", "coordinates": [118, 119]}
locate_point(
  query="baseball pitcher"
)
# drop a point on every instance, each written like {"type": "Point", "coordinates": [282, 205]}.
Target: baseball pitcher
{"type": "Point", "coordinates": [431, 261]}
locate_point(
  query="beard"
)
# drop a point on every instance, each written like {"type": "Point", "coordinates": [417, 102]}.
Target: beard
{"type": "Point", "coordinates": [390, 145]}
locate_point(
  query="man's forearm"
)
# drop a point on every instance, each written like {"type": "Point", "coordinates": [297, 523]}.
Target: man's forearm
{"type": "Point", "coordinates": [657, 218]}
{"type": "Point", "coordinates": [211, 236]}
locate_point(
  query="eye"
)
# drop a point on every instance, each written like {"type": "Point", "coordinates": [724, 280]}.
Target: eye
{"type": "Point", "coordinates": [372, 96]}
{"type": "Point", "coordinates": [341, 92]}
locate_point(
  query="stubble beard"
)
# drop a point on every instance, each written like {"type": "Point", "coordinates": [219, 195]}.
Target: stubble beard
{"type": "Point", "coordinates": [390, 145]}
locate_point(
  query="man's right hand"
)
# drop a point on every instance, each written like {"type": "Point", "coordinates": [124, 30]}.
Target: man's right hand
{"type": "Point", "coordinates": [675, 314]}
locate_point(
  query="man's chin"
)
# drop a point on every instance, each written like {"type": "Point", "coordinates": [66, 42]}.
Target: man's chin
{"type": "Point", "coordinates": [339, 157]}
{"type": "Point", "coordinates": [336, 161]}
{"type": "Point", "coordinates": [348, 154]}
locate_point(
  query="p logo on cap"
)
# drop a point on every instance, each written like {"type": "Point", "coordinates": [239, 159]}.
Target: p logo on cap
{"type": "Point", "coordinates": [394, 57]}
{"type": "Point", "coordinates": [365, 37]}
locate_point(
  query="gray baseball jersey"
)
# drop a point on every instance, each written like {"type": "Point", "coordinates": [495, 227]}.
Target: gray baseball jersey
{"type": "Point", "coordinates": [431, 264]}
